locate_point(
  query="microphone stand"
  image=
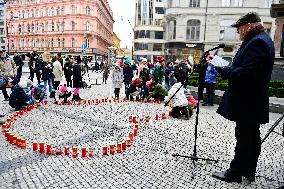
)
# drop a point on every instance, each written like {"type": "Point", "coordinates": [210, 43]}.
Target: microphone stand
{"type": "Point", "coordinates": [194, 157]}
{"type": "Point", "coordinates": [272, 128]}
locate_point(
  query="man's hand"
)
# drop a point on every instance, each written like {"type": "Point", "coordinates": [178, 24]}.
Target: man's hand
{"type": "Point", "coordinates": [219, 69]}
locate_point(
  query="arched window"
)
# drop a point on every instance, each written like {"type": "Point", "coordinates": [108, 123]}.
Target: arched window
{"type": "Point", "coordinates": [52, 11]}
{"type": "Point", "coordinates": [58, 42]}
{"type": "Point", "coordinates": [20, 28]}
{"type": "Point", "coordinates": [42, 43]}
{"type": "Point", "coordinates": [63, 42]}
{"type": "Point", "coordinates": [73, 42]}
{"type": "Point", "coordinates": [193, 30]}
{"type": "Point", "coordinates": [52, 26]}
{"type": "Point", "coordinates": [33, 28]}
{"type": "Point", "coordinates": [88, 26]}
{"type": "Point", "coordinates": [194, 3]}
{"type": "Point", "coordinates": [58, 26]}
{"type": "Point", "coordinates": [88, 11]}
{"type": "Point", "coordinates": [73, 9]}
{"type": "Point", "coordinates": [73, 25]}
{"type": "Point", "coordinates": [232, 3]}
{"type": "Point", "coordinates": [63, 10]}
{"type": "Point", "coordinates": [28, 28]}
{"type": "Point", "coordinates": [172, 29]}
{"type": "Point", "coordinates": [52, 43]}
{"type": "Point", "coordinates": [58, 11]}
{"type": "Point", "coordinates": [63, 26]}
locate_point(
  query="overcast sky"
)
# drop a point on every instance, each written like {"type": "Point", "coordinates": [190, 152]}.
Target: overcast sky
{"type": "Point", "coordinates": [126, 9]}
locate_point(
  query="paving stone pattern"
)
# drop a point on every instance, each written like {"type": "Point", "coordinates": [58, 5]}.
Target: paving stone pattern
{"type": "Point", "coordinates": [148, 163]}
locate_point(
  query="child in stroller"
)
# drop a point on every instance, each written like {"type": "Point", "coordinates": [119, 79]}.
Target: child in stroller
{"type": "Point", "coordinates": [179, 102]}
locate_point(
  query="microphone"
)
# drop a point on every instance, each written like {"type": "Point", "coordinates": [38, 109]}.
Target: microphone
{"type": "Point", "coordinates": [283, 130]}
{"type": "Point", "coordinates": [214, 48]}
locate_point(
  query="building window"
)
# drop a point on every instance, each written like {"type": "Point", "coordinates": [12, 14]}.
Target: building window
{"type": "Point", "coordinates": [88, 26]}
{"type": "Point", "coordinates": [232, 3]}
{"type": "Point", "coordinates": [88, 11]}
{"type": "Point", "coordinates": [267, 3]}
{"type": "Point", "coordinates": [58, 26]}
{"type": "Point", "coordinates": [42, 27]}
{"type": "Point", "coordinates": [227, 33]}
{"type": "Point", "coordinates": [159, 35]}
{"type": "Point", "coordinates": [62, 11]}
{"type": "Point", "coordinates": [20, 28]}
{"type": "Point", "coordinates": [33, 28]}
{"type": "Point", "coordinates": [73, 42]}
{"type": "Point", "coordinates": [194, 3]}
{"type": "Point", "coordinates": [52, 11]}
{"type": "Point", "coordinates": [63, 42]}
{"type": "Point", "coordinates": [23, 14]}
{"type": "Point", "coordinates": [172, 30]}
{"type": "Point", "coordinates": [73, 25]}
{"type": "Point", "coordinates": [52, 26]}
{"type": "Point", "coordinates": [29, 28]}
{"type": "Point", "coordinates": [88, 42]}
{"type": "Point", "coordinates": [160, 10]}
{"type": "Point", "coordinates": [58, 11]}
{"type": "Point", "coordinates": [52, 43]}
{"type": "Point", "coordinates": [63, 26]}
{"type": "Point", "coordinates": [193, 30]}
{"type": "Point", "coordinates": [58, 42]}
{"type": "Point", "coordinates": [73, 8]}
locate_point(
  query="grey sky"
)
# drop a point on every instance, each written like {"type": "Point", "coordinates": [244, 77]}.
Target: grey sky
{"type": "Point", "coordinates": [126, 9]}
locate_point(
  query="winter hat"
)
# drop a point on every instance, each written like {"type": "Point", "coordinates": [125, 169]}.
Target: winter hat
{"type": "Point", "coordinates": [29, 83]}
{"type": "Point", "coordinates": [160, 59]}
{"type": "Point", "coordinates": [3, 82]}
{"type": "Point", "coordinates": [137, 81]}
{"type": "Point", "coordinates": [127, 61]}
{"type": "Point", "coordinates": [251, 17]}
{"type": "Point", "coordinates": [22, 84]}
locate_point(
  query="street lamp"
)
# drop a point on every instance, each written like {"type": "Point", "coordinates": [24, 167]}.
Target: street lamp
{"type": "Point", "coordinates": [7, 32]}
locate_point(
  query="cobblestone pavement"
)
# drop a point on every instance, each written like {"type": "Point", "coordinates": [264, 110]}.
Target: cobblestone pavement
{"type": "Point", "coordinates": [148, 163]}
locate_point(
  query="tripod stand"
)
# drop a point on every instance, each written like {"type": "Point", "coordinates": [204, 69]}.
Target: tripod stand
{"type": "Point", "coordinates": [194, 157]}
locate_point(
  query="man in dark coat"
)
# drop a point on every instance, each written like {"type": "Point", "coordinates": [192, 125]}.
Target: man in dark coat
{"type": "Point", "coordinates": [246, 99]}
{"type": "Point", "coordinates": [77, 77]}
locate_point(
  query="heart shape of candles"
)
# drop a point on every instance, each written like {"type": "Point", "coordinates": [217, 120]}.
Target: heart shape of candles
{"type": "Point", "coordinates": [104, 106]}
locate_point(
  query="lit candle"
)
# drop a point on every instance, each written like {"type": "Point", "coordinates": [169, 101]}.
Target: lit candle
{"type": "Point", "coordinates": [123, 146]}
{"type": "Point", "coordinates": [111, 149]}
{"type": "Point", "coordinates": [84, 152]}
{"type": "Point", "coordinates": [66, 150]}
{"type": "Point", "coordinates": [41, 147]}
{"type": "Point", "coordinates": [75, 152]}
{"type": "Point", "coordinates": [119, 149]}
{"type": "Point", "coordinates": [104, 150]}
{"type": "Point", "coordinates": [48, 149]}
{"type": "Point", "coordinates": [35, 146]}
{"type": "Point", "coordinates": [130, 119]}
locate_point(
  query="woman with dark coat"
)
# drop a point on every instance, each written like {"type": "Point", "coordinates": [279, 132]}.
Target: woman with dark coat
{"type": "Point", "coordinates": [68, 72]}
{"type": "Point", "coordinates": [77, 78]}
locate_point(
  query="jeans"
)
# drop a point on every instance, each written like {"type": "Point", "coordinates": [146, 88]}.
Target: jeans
{"type": "Point", "coordinates": [49, 82]}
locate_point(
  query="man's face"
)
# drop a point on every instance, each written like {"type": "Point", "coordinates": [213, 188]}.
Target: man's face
{"type": "Point", "coordinates": [10, 84]}
{"type": "Point", "coordinates": [243, 31]}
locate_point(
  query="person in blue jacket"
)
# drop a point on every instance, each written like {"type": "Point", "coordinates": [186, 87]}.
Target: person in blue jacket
{"type": "Point", "coordinates": [18, 98]}
{"type": "Point", "coordinates": [210, 82]}
{"type": "Point", "coordinates": [246, 99]}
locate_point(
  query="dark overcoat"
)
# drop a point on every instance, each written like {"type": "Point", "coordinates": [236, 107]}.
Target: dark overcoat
{"type": "Point", "coordinates": [246, 98]}
{"type": "Point", "coordinates": [77, 75]}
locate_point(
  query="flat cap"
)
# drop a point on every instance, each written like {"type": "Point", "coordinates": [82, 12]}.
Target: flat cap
{"type": "Point", "coordinates": [251, 17]}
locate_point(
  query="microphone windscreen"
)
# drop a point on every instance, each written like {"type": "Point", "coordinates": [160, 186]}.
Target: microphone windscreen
{"type": "Point", "coordinates": [222, 45]}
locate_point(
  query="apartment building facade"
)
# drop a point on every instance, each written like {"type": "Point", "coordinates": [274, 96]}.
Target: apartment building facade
{"type": "Point", "coordinates": [2, 25]}
{"type": "Point", "coordinates": [60, 26]}
{"type": "Point", "coordinates": [193, 26]}
{"type": "Point", "coordinates": [149, 35]}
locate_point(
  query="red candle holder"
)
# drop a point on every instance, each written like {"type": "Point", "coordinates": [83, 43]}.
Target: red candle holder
{"type": "Point", "coordinates": [93, 101]}
{"type": "Point", "coordinates": [157, 117]}
{"type": "Point", "coordinates": [24, 144]}
{"type": "Point", "coordinates": [90, 152]}
{"type": "Point", "coordinates": [130, 119]}
{"type": "Point", "coordinates": [163, 116]}
{"type": "Point", "coordinates": [170, 113]}
{"type": "Point", "coordinates": [75, 152]}
{"type": "Point", "coordinates": [35, 146]}
{"type": "Point", "coordinates": [4, 131]}
{"type": "Point", "coordinates": [58, 152]}
{"type": "Point", "coordinates": [14, 140]}
{"type": "Point", "coordinates": [136, 126]}
{"type": "Point", "coordinates": [131, 136]}
{"type": "Point", "coordinates": [19, 141]}
{"type": "Point", "coordinates": [147, 118]}
{"type": "Point", "coordinates": [123, 145]}
{"type": "Point", "coordinates": [41, 147]}
{"type": "Point", "coordinates": [104, 150]}
{"type": "Point", "coordinates": [69, 102]}
{"type": "Point", "coordinates": [66, 150]}
{"type": "Point", "coordinates": [128, 142]}
{"type": "Point", "coordinates": [89, 102]}
{"type": "Point", "coordinates": [84, 152]}
{"type": "Point", "coordinates": [103, 100]}
{"type": "Point", "coordinates": [48, 149]}
{"type": "Point", "coordinates": [134, 120]}
{"type": "Point", "coordinates": [111, 149]}
{"type": "Point", "coordinates": [119, 148]}
{"type": "Point", "coordinates": [109, 100]}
